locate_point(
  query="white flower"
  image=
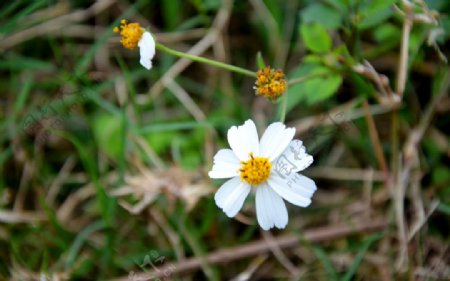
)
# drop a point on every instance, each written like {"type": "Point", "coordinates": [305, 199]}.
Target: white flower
{"type": "Point", "coordinates": [270, 165]}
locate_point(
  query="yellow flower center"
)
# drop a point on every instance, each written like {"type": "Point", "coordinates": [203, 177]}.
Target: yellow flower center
{"type": "Point", "coordinates": [270, 83]}
{"type": "Point", "coordinates": [131, 33]}
{"type": "Point", "coordinates": [256, 170]}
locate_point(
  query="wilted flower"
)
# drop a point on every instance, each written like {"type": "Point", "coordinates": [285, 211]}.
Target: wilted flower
{"type": "Point", "coordinates": [270, 165]}
{"type": "Point", "coordinates": [270, 83]}
{"type": "Point", "coordinates": [133, 35]}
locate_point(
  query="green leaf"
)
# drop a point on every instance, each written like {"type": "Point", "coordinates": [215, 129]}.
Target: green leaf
{"type": "Point", "coordinates": [322, 14]}
{"type": "Point", "coordinates": [107, 132]}
{"type": "Point", "coordinates": [313, 59]}
{"type": "Point", "coordinates": [375, 18]}
{"type": "Point", "coordinates": [387, 32]}
{"type": "Point", "coordinates": [321, 89]}
{"type": "Point", "coordinates": [440, 174]}
{"type": "Point", "coordinates": [378, 5]}
{"type": "Point", "coordinates": [341, 5]}
{"type": "Point", "coordinates": [316, 89]}
{"type": "Point", "coordinates": [296, 93]}
{"type": "Point", "coordinates": [316, 38]}
{"type": "Point", "coordinates": [375, 13]}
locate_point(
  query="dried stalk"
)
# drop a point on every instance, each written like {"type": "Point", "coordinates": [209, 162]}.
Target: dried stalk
{"type": "Point", "coordinates": [261, 247]}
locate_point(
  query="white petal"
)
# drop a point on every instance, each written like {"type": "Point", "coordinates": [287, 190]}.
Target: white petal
{"type": "Point", "coordinates": [243, 140]}
{"type": "Point", "coordinates": [275, 140]}
{"type": "Point", "coordinates": [304, 183]}
{"type": "Point", "coordinates": [293, 159]}
{"type": "Point", "coordinates": [231, 196]}
{"type": "Point", "coordinates": [295, 188]}
{"type": "Point", "coordinates": [270, 208]}
{"type": "Point", "coordinates": [226, 155]}
{"type": "Point", "coordinates": [226, 165]}
{"type": "Point", "coordinates": [146, 49]}
{"type": "Point", "coordinates": [296, 196]}
{"type": "Point", "coordinates": [222, 174]}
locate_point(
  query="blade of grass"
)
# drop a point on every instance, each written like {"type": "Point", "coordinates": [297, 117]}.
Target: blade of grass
{"type": "Point", "coordinates": [23, 94]}
{"type": "Point", "coordinates": [192, 238]}
{"type": "Point", "coordinates": [358, 259]}
{"type": "Point", "coordinates": [444, 208]}
{"type": "Point", "coordinates": [326, 262]}
{"type": "Point", "coordinates": [173, 126]}
{"type": "Point", "coordinates": [14, 62]}
{"type": "Point", "coordinates": [106, 204]}
{"type": "Point", "coordinates": [34, 5]}
{"type": "Point", "coordinates": [79, 241]}
{"type": "Point", "coordinates": [11, 7]}
{"type": "Point", "coordinates": [4, 155]}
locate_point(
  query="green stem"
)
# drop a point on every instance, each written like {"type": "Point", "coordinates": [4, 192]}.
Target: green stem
{"type": "Point", "coordinates": [206, 61]}
{"type": "Point", "coordinates": [283, 107]}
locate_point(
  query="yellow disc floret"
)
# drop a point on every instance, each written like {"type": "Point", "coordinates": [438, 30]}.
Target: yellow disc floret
{"type": "Point", "coordinates": [256, 170]}
{"type": "Point", "coordinates": [131, 33]}
{"type": "Point", "coordinates": [270, 83]}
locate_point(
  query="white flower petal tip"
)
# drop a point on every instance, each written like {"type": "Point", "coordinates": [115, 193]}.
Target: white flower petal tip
{"type": "Point", "coordinates": [292, 189]}
{"type": "Point", "coordinates": [293, 159]}
{"type": "Point", "coordinates": [270, 209]}
{"type": "Point", "coordinates": [270, 165]}
{"type": "Point", "coordinates": [226, 165]}
{"type": "Point", "coordinates": [275, 140]}
{"type": "Point", "coordinates": [147, 49]}
{"type": "Point", "coordinates": [231, 196]}
{"type": "Point", "coordinates": [244, 140]}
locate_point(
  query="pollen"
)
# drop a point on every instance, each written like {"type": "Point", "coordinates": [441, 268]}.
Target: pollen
{"type": "Point", "coordinates": [270, 83]}
{"type": "Point", "coordinates": [131, 33]}
{"type": "Point", "coordinates": [256, 170]}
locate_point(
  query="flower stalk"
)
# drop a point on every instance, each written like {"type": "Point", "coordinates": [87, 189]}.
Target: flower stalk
{"type": "Point", "coordinates": [218, 64]}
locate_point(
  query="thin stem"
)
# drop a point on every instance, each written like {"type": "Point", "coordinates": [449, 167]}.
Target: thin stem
{"type": "Point", "coordinates": [375, 140]}
{"type": "Point", "coordinates": [284, 107]}
{"type": "Point", "coordinates": [206, 61]}
{"type": "Point", "coordinates": [403, 63]}
{"type": "Point", "coordinates": [255, 248]}
{"type": "Point", "coordinates": [394, 143]}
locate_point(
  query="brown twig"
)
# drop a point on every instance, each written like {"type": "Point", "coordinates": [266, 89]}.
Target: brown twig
{"type": "Point", "coordinates": [376, 141]}
{"type": "Point", "coordinates": [324, 119]}
{"type": "Point", "coordinates": [403, 62]}
{"type": "Point", "coordinates": [345, 174]}
{"type": "Point", "coordinates": [411, 161]}
{"type": "Point", "coordinates": [381, 81]}
{"type": "Point", "coordinates": [261, 247]}
{"type": "Point", "coordinates": [204, 44]}
{"type": "Point", "coordinates": [55, 24]}
{"type": "Point", "coordinates": [278, 253]}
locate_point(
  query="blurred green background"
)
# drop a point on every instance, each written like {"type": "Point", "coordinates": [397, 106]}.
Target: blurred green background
{"type": "Point", "coordinates": [103, 164]}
